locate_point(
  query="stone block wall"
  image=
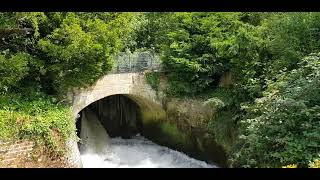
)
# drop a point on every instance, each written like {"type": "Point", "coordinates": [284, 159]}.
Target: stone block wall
{"type": "Point", "coordinates": [10, 152]}
{"type": "Point", "coordinates": [21, 154]}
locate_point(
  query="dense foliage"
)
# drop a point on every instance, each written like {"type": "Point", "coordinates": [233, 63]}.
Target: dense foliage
{"type": "Point", "coordinates": [264, 52]}
{"type": "Point", "coordinates": [282, 127]}
{"type": "Point", "coordinates": [278, 87]}
{"type": "Point", "coordinates": [12, 69]}
{"type": "Point", "coordinates": [222, 125]}
{"type": "Point", "coordinates": [201, 46]}
{"type": "Point", "coordinates": [66, 50]}
{"type": "Point", "coordinates": [269, 117]}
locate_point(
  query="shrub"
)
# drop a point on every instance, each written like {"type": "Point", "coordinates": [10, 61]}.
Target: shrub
{"type": "Point", "coordinates": [282, 127]}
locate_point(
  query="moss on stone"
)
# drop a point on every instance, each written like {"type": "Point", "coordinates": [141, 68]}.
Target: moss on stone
{"type": "Point", "coordinates": [174, 136]}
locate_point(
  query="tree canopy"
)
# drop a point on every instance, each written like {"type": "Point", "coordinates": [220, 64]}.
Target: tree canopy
{"type": "Point", "coordinates": [65, 50]}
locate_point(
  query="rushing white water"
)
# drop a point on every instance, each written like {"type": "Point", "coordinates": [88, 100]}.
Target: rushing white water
{"type": "Point", "coordinates": [138, 152]}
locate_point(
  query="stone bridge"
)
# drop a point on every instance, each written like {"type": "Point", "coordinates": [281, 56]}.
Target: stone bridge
{"type": "Point", "coordinates": [126, 78]}
{"type": "Point", "coordinates": [132, 85]}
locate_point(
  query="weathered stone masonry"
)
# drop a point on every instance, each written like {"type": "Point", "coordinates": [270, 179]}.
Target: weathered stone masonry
{"type": "Point", "coordinates": [9, 152]}
{"type": "Point", "coordinates": [132, 84]}
{"type": "Point", "coordinates": [20, 154]}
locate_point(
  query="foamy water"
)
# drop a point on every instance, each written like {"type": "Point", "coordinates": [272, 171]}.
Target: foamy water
{"type": "Point", "coordinates": [99, 151]}
{"type": "Point", "coordinates": [140, 153]}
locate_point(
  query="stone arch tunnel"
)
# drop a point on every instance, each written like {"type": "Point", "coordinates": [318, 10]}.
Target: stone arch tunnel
{"type": "Point", "coordinates": [119, 115]}
{"type": "Point", "coordinates": [133, 85]}
{"type": "Point", "coordinates": [131, 88]}
{"type": "Point", "coordinates": [123, 115]}
{"type": "Point", "coordinates": [125, 104]}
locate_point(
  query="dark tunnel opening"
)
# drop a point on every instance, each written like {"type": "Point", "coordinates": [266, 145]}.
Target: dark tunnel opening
{"type": "Point", "coordinates": [119, 115]}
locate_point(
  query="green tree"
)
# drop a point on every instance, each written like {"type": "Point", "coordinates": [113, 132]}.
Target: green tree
{"type": "Point", "coordinates": [67, 50]}
{"type": "Point", "coordinates": [290, 37]}
{"type": "Point", "coordinates": [201, 46]}
{"type": "Point", "coordinates": [81, 50]}
{"type": "Point", "coordinates": [12, 69]}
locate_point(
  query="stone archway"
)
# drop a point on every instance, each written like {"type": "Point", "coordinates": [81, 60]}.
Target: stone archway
{"type": "Point", "coordinates": [131, 85]}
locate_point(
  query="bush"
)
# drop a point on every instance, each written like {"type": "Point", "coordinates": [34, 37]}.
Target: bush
{"type": "Point", "coordinates": [282, 127]}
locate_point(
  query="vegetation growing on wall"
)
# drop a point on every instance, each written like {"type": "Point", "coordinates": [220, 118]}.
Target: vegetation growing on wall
{"type": "Point", "coordinates": [39, 118]}
{"type": "Point", "coordinates": [153, 79]}
{"type": "Point", "coordinates": [222, 124]}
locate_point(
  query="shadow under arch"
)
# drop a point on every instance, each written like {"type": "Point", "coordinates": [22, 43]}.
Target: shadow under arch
{"type": "Point", "coordinates": [150, 113]}
{"type": "Point", "coordinates": [158, 129]}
